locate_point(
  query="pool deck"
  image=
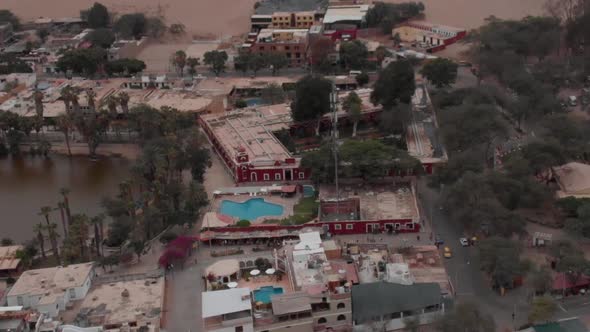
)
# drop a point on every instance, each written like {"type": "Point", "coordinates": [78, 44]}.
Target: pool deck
{"type": "Point", "coordinates": [263, 281]}
{"type": "Point", "coordinates": [286, 202]}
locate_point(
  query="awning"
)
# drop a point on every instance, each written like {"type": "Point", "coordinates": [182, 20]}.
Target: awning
{"type": "Point", "coordinates": [289, 189]}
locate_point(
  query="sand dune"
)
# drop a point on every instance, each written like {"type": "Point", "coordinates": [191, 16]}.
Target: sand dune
{"type": "Point", "coordinates": [471, 13]}
{"type": "Point", "coordinates": [214, 17]}
{"type": "Point", "coordinates": [230, 17]}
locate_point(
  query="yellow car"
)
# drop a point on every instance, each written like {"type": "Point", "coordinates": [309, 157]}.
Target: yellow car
{"type": "Point", "coordinates": [447, 252]}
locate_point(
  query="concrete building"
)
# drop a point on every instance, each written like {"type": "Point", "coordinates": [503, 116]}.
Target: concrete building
{"type": "Point", "coordinates": [228, 310]}
{"type": "Point", "coordinates": [356, 209]}
{"type": "Point", "coordinates": [293, 43]}
{"type": "Point", "coordinates": [385, 305]}
{"type": "Point", "coordinates": [6, 34]}
{"type": "Point", "coordinates": [307, 289]}
{"type": "Point", "coordinates": [292, 20]}
{"type": "Point", "coordinates": [9, 264]}
{"type": "Point", "coordinates": [245, 142]}
{"type": "Point", "coordinates": [435, 37]}
{"type": "Point", "coordinates": [50, 290]}
{"type": "Point", "coordinates": [354, 15]}
{"type": "Point", "coordinates": [573, 180]}
{"type": "Point", "coordinates": [259, 22]}
{"type": "Point", "coordinates": [122, 49]}
{"type": "Point", "coordinates": [116, 306]}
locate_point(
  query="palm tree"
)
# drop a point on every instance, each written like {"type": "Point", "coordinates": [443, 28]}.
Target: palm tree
{"type": "Point", "coordinates": [64, 124]}
{"type": "Point", "coordinates": [38, 229]}
{"type": "Point", "coordinates": [65, 192]}
{"type": "Point", "coordinates": [61, 207]}
{"type": "Point", "coordinates": [38, 96]}
{"type": "Point", "coordinates": [97, 222]}
{"type": "Point", "coordinates": [45, 211]}
{"type": "Point", "coordinates": [111, 103]}
{"type": "Point", "coordinates": [75, 100]}
{"type": "Point", "coordinates": [124, 100]}
{"type": "Point", "coordinates": [66, 95]}
{"type": "Point", "coordinates": [353, 105]}
{"type": "Point", "coordinates": [90, 96]}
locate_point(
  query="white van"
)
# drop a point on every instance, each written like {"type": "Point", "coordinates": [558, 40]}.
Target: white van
{"type": "Point", "coordinates": [573, 101]}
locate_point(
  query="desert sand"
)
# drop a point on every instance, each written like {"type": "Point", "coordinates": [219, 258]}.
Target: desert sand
{"type": "Point", "coordinates": [218, 18]}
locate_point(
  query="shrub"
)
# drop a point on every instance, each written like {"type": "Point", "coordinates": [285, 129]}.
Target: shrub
{"type": "Point", "coordinates": [243, 223]}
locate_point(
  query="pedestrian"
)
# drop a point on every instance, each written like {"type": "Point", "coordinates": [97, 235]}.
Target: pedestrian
{"type": "Point", "coordinates": [418, 237]}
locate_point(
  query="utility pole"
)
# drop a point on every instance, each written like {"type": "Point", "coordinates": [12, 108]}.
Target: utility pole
{"type": "Point", "coordinates": [333, 105]}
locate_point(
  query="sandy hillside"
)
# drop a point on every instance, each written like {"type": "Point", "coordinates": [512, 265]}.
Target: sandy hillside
{"type": "Point", "coordinates": [471, 13]}
{"type": "Point", "coordinates": [216, 17]}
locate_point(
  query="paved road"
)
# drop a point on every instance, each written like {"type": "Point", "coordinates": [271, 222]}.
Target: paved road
{"type": "Point", "coordinates": [471, 285]}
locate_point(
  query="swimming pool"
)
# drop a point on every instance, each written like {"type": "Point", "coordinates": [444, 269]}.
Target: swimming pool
{"type": "Point", "coordinates": [308, 191]}
{"type": "Point", "coordinates": [250, 209]}
{"type": "Point", "coordinates": [254, 101]}
{"type": "Point", "coordinates": [264, 294]}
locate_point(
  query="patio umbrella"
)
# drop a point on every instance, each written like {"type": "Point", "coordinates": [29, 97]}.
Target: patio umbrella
{"type": "Point", "coordinates": [270, 271]}
{"type": "Point", "coordinates": [254, 272]}
{"type": "Point", "coordinates": [232, 284]}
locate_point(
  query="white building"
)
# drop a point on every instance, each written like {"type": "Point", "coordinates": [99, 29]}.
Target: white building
{"type": "Point", "coordinates": [49, 290]}
{"type": "Point", "coordinates": [228, 310]}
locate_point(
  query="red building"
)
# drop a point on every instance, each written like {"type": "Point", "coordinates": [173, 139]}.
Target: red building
{"type": "Point", "coordinates": [359, 208]}
{"type": "Point", "coordinates": [245, 142]}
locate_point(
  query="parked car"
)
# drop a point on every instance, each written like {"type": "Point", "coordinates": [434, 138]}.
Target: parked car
{"type": "Point", "coordinates": [447, 252]}
{"type": "Point", "coordinates": [573, 101]}
{"type": "Point", "coordinates": [438, 241]}
{"type": "Point", "coordinates": [464, 242]}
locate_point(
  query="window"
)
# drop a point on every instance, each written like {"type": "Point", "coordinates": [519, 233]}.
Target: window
{"type": "Point", "coordinates": [322, 320]}
{"type": "Point", "coordinates": [301, 175]}
{"type": "Point", "coordinates": [349, 226]}
{"type": "Point", "coordinates": [19, 300]}
{"type": "Point", "coordinates": [298, 55]}
{"type": "Point", "coordinates": [341, 317]}
{"type": "Point", "coordinates": [72, 293]}
{"type": "Point", "coordinates": [410, 226]}
{"type": "Point", "coordinates": [277, 176]}
{"type": "Point", "coordinates": [287, 47]}
{"type": "Point", "coordinates": [337, 227]}
{"type": "Point", "coordinates": [289, 55]}
{"type": "Point", "coordinates": [239, 329]}
{"type": "Point", "coordinates": [341, 306]}
{"type": "Point", "coordinates": [266, 177]}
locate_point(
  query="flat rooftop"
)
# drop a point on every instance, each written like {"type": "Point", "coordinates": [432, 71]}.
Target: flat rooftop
{"type": "Point", "coordinates": [295, 35]}
{"type": "Point", "coordinates": [249, 131]}
{"type": "Point", "coordinates": [377, 202]}
{"type": "Point", "coordinates": [109, 303]}
{"type": "Point", "coordinates": [221, 302]}
{"type": "Point", "coordinates": [8, 260]}
{"type": "Point", "coordinates": [345, 13]}
{"type": "Point", "coordinates": [43, 281]}
{"type": "Point", "coordinates": [425, 265]}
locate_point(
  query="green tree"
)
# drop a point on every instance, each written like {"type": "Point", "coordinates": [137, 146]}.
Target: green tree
{"type": "Point", "coordinates": [540, 280]}
{"type": "Point", "coordinates": [51, 229]}
{"type": "Point", "coordinates": [277, 61]}
{"type": "Point", "coordinates": [6, 241]}
{"type": "Point", "coordinates": [64, 124]}
{"type": "Point", "coordinates": [97, 224]}
{"type": "Point", "coordinates": [138, 248]}
{"type": "Point", "coordinates": [155, 27]}
{"type": "Point", "coordinates": [28, 253]}
{"type": "Point", "coordinates": [499, 257]}
{"type": "Point", "coordinates": [257, 62]}
{"type": "Point", "coordinates": [43, 34]}
{"type": "Point", "coordinates": [394, 85]}
{"type": "Point", "coordinates": [6, 16]}
{"type": "Point", "coordinates": [39, 229]}
{"type": "Point", "coordinates": [273, 94]}
{"type": "Point", "coordinates": [178, 60]}
{"type": "Point", "coordinates": [75, 249]}
{"type": "Point", "coordinates": [465, 317]}
{"type": "Point", "coordinates": [131, 25]}
{"type": "Point", "coordinates": [216, 61]}
{"type": "Point", "coordinates": [125, 67]}
{"type": "Point", "coordinates": [177, 29]}
{"type": "Point", "coordinates": [102, 37]}
{"type": "Point", "coordinates": [312, 99]}
{"type": "Point", "coordinates": [362, 79]}
{"type": "Point", "coordinates": [82, 61]}
{"type": "Point", "coordinates": [92, 126]}
{"type": "Point", "coordinates": [192, 64]}
{"type": "Point", "coordinates": [353, 54]}
{"type": "Point", "coordinates": [98, 16]}
{"type": "Point", "coordinates": [542, 309]}
{"type": "Point", "coordinates": [353, 105]}
{"type": "Point", "coordinates": [242, 61]}
{"type": "Point", "coordinates": [441, 72]}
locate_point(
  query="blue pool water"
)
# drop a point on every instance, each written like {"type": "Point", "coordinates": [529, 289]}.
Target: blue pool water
{"type": "Point", "coordinates": [264, 294]}
{"type": "Point", "coordinates": [254, 101]}
{"type": "Point", "coordinates": [308, 191]}
{"type": "Point", "coordinates": [250, 209]}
